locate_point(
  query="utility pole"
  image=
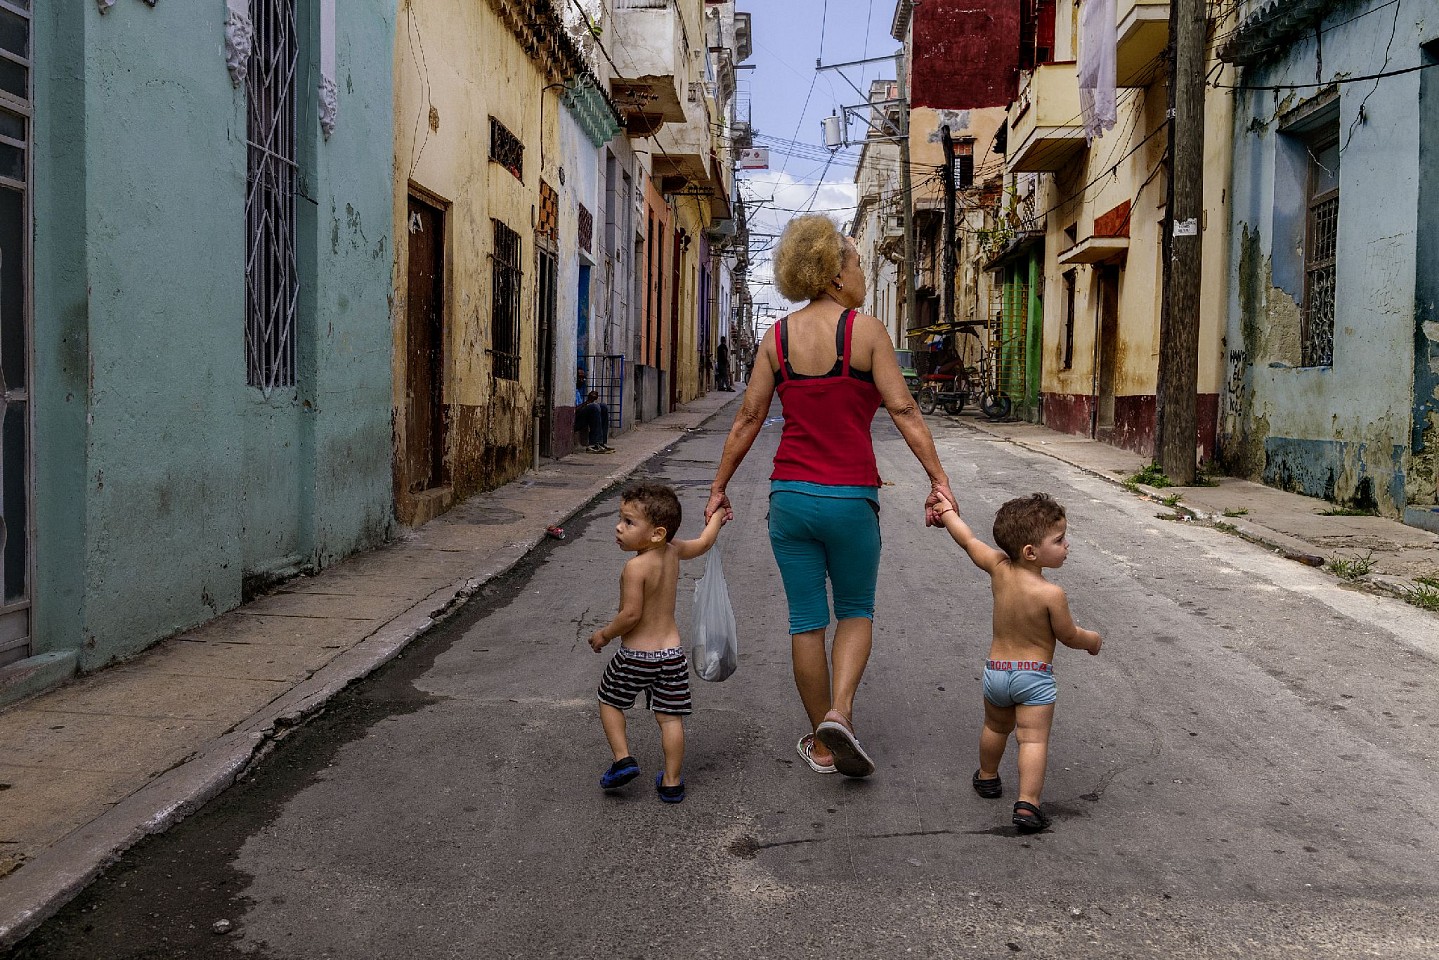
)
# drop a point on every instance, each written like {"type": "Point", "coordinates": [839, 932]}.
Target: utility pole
{"type": "Point", "coordinates": [1176, 414]}
{"type": "Point", "coordinates": [946, 176]}
{"type": "Point", "coordinates": [906, 191]}
{"type": "Point", "coordinates": [901, 135]}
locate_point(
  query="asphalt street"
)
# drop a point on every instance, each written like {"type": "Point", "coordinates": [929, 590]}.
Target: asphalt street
{"type": "Point", "coordinates": [1248, 769]}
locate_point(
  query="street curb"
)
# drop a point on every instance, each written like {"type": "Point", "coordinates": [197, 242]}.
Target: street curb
{"type": "Point", "coordinates": [1291, 548]}
{"type": "Point", "coordinates": [44, 885]}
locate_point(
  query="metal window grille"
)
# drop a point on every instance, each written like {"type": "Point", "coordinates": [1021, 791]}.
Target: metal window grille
{"type": "Point", "coordinates": [962, 169]}
{"type": "Point", "coordinates": [586, 228]}
{"type": "Point", "coordinates": [1320, 271]}
{"type": "Point", "coordinates": [506, 149]}
{"type": "Point", "coordinates": [505, 310]}
{"type": "Point", "coordinates": [271, 282]}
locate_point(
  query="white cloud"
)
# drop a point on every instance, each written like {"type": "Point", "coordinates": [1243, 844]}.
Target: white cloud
{"type": "Point", "coordinates": [772, 199]}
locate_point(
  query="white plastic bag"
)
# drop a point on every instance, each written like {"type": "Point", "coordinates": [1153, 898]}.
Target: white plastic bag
{"type": "Point", "coordinates": [716, 647]}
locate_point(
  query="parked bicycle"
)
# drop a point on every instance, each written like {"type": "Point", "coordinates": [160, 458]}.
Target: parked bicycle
{"type": "Point", "coordinates": [951, 391]}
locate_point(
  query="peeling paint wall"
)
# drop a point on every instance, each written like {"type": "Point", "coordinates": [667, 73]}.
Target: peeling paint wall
{"type": "Point", "coordinates": [166, 487]}
{"type": "Point", "coordinates": [1348, 432]}
{"type": "Point", "coordinates": [472, 68]}
{"type": "Point", "coordinates": [1422, 482]}
{"type": "Point", "coordinates": [1086, 199]}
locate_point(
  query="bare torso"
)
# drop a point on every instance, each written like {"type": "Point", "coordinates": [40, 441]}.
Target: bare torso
{"type": "Point", "coordinates": [660, 570]}
{"type": "Point", "coordinates": [1022, 626]}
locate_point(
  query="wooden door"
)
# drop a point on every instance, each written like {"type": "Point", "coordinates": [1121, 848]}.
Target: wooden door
{"type": "Point", "coordinates": [1108, 343]}
{"type": "Point", "coordinates": [425, 349]}
{"type": "Point", "coordinates": [546, 296]}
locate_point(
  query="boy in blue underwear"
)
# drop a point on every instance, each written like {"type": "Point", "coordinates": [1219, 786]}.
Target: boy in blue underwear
{"type": "Point", "coordinates": [1030, 614]}
{"type": "Point", "coordinates": [650, 658]}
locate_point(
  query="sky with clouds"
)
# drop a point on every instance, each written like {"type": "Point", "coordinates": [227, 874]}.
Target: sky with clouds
{"type": "Point", "coordinates": [788, 98]}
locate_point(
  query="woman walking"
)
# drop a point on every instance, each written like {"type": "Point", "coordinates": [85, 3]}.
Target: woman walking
{"type": "Point", "coordinates": [833, 368]}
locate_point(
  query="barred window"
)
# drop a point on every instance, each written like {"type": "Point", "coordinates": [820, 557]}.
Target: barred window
{"type": "Point", "coordinates": [505, 310]}
{"type": "Point", "coordinates": [585, 228]}
{"type": "Point", "coordinates": [1321, 245]}
{"type": "Point", "coordinates": [271, 283]}
{"type": "Point", "coordinates": [506, 149]}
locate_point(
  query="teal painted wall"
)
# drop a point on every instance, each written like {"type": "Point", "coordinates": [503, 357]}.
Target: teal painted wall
{"type": "Point", "coordinates": [164, 484]}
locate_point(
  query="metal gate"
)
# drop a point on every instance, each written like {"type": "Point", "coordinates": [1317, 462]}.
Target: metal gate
{"type": "Point", "coordinates": [1009, 335]}
{"type": "Point", "coordinates": [605, 374]}
{"type": "Point", "coordinates": [16, 503]}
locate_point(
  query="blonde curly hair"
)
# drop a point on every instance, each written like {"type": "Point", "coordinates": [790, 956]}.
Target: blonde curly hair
{"type": "Point", "coordinates": [810, 255]}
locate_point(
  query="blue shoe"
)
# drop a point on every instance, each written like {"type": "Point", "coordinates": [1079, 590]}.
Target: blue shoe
{"type": "Point", "coordinates": [620, 773]}
{"type": "Point", "coordinates": [669, 794]}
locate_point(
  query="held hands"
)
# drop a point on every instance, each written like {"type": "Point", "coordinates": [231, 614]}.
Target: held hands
{"type": "Point", "coordinates": [719, 500]}
{"type": "Point", "coordinates": [598, 641]}
{"type": "Point", "coordinates": [940, 500]}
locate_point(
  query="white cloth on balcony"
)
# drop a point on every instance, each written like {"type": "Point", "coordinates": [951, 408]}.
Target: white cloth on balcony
{"type": "Point", "coordinates": [1098, 38]}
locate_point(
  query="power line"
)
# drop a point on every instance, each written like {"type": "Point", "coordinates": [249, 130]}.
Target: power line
{"type": "Point", "coordinates": [1327, 83]}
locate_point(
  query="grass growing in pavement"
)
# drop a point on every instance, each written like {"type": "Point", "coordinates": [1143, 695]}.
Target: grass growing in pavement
{"type": "Point", "coordinates": [1242, 511]}
{"type": "Point", "coordinates": [1150, 476]}
{"type": "Point", "coordinates": [1352, 568]}
{"type": "Point", "coordinates": [1171, 500]}
{"type": "Point", "coordinates": [1226, 527]}
{"type": "Point", "coordinates": [1426, 595]}
{"type": "Point", "coordinates": [1348, 512]}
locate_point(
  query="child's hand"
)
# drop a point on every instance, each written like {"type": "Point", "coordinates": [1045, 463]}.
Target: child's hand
{"type": "Point", "coordinates": [937, 511]}
{"type": "Point", "coordinates": [598, 641]}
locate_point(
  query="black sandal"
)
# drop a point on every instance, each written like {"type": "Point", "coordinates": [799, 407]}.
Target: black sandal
{"type": "Point", "coordinates": [1029, 818]}
{"type": "Point", "coordinates": [988, 789]}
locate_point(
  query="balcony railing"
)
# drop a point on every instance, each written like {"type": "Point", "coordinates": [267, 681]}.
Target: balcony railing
{"type": "Point", "coordinates": [1045, 129]}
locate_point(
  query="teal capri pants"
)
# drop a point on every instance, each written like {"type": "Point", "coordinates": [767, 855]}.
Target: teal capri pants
{"type": "Point", "coordinates": [817, 538]}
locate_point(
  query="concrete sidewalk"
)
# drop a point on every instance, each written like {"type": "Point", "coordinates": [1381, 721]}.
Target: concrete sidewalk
{"type": "Point", "coordinates": [1373, 551]}
{"type": "Point", "coordinates": [89, 769]}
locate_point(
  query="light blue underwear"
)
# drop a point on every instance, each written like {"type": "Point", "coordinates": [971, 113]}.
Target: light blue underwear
{"type": "Point", "coordinates": [1022, 683]}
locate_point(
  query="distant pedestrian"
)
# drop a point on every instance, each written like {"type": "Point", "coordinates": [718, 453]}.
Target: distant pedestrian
{"type": "Point", "coordinates": [832, 368]}
{"type": "Point", "coordinates": [723, 378]}
{"type": "Point", "coordinates": [592, 418]}
{"type": "Point", "coordinates": [1030, 614]}
{"type": "Point", "coordinates": [650, 658]}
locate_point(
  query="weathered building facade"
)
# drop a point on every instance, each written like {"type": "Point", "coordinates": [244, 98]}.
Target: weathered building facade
{"type": "Point", "coordinates": [1332, 362]}
{"type": "Point", "coordinates": [560, 176]}
{"type": "Point", "coordinates": [954, 115]}
{"type": "Point", "coordinates": [490, 183]}
{"type": "Point", "coordinates": [197, 334]}
{"type": "Point", "coordinates": [1096, 202]}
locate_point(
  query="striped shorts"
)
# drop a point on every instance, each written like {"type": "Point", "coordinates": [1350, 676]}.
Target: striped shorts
{"type": "Point", "coordinates": [663, 675]}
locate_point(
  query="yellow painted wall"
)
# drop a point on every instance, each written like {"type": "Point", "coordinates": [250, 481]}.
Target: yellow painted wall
{"type": "Point", "coordinates": [1099, 181]}
{"type": "Point", "coordinates": [472, 68]}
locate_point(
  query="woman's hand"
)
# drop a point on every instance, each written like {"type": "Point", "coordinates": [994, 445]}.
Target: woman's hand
{"type": "Point", "coordinates": [719, 500]}
{"type": "Point", "coordinates": [939, 497]}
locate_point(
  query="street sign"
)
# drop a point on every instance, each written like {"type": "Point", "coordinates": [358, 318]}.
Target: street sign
{"type": "Point", "coordinates": [755, 158]}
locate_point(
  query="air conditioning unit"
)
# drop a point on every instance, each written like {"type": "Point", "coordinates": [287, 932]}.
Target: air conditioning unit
{"type": "Point", "coordinates": [894, 225]}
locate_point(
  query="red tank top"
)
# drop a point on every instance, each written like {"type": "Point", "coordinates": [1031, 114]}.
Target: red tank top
{"type": "Point", "coordinates": [827, 418]}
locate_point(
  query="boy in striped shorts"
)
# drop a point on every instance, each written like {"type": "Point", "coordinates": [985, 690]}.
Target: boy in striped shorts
{"type": "Point", "coordinates": [650, 659]}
